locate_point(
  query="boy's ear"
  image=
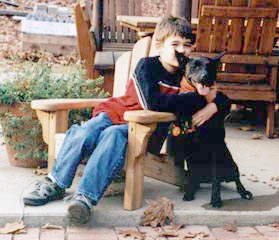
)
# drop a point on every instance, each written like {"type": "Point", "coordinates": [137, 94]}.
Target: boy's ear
{"type": "Point", "coordinates": [157, 45]}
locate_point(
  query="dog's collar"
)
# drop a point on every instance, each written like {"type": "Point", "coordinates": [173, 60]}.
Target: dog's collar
{"type": "Point", "coordinates": [186, 86]}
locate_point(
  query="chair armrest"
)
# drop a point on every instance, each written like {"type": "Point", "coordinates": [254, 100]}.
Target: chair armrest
{"type": "Point", "coordinates": [52, 105]}
{"type": "Point", "coordinates": [147, 116]}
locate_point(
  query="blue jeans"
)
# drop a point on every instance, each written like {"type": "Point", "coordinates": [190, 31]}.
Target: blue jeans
{"type": "Point", "coordinates": [105, 146]}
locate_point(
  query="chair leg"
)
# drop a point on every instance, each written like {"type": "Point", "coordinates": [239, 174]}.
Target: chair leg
{"type": "Point", "coordinates": [137, 143]}
{"type": "Point", "coordinates": [270, 129]}
{"type": "Point", "coordinates": [52, 123]}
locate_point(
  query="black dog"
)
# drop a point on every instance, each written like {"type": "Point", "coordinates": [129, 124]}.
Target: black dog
{"type": "Point", "coordinates": [204, 150]}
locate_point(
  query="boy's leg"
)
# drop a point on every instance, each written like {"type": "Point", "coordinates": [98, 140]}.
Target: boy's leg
{"type": "Point", "coordinates": [102, 167]}
{"type": "Point", "coordinates": [79, 142]}
{"type": "Point", "coordinates": [105, 162]}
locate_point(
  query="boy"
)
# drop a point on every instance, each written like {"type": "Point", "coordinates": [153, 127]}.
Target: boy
{"type": "Point", "coordinates": [104, 137]}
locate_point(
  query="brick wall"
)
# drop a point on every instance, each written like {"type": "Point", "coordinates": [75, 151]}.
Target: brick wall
{"type": "Point", "coordinates": [154, 8]}
{"type": "Point", "coordinates": [158, 8]}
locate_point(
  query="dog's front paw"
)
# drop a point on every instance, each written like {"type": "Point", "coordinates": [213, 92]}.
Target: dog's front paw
{"type": "Point", "coordinates": [188, 197]}
{"type": "Point", "coordinates": [216, 204]}
{"type": "Point", "coordinates": [247, 195]}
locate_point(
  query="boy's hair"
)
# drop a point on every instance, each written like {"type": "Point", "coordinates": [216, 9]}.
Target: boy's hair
{"type": "Point", "coordinates": [169, 26]}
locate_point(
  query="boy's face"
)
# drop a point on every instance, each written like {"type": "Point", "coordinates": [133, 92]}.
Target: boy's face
{"type": "Point", "coordinates": [168, 48]}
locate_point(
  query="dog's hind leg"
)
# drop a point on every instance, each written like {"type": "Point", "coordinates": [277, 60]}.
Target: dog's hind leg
{"type": "Point", "coordinates": [216, 201]}
{"type": "Point", "coordinates": [242, 191]}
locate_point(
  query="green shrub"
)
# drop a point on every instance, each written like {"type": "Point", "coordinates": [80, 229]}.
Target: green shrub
{"type": "Point", "coordinates": [38, 81]}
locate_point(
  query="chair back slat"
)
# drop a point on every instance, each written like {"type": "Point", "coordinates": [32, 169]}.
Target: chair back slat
{"type": "Point", "coordinates": [86, 44]}
{"type": "Point", "coordinates": [236, 30]}
{"type": "Point", "coordinates": [126, 63]}
{"type": "Point", "coordinates": [121, 74]}
{"type": "Point", "coordinates": [119, 9]}
{"type": "Point", "coordinates": [235, 41]}
{"type": "Point", "coordinates": [220, 29]}
{"type": "Point", "coordinates": [112, 31]}
{"type": "Point", "coordinates": [268, 30]}
{"type": "Point", "coordinates": [106, 23]}
{"type": "Point", "coordinates": [204, 29]}
{"type": "Point", "coordinates": [141, 49]}
{"type": "Point", "coordinates": [112, 21]}
{"type": "Point", "coordinates": [252, 31]}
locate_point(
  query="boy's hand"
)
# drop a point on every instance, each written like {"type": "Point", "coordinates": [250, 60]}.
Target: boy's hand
{"type": "Point", "coordinates": [212, 94]}
{"type": "Point", "coordinates": [204, 114]}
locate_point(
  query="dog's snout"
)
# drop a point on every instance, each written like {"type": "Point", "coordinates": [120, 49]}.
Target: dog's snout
{"type": "Point", "coordinates": [204, 77]}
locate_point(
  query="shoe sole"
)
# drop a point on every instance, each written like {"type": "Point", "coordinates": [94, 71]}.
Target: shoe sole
{"type": "Point", "coordinates": [40, 202]}
{"type": "Point", "coordinates": [77, 213]}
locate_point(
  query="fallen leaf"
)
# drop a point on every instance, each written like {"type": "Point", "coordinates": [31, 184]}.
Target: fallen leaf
{"type": "Point", "coordinates": [275, 225]}
{"type": "Point", "coordinates": [274, 135]}
{"type": "Point", "coordinates": [188, 235]}
{"type": "Point", "coordinates": [111, 192]}
{"type": "Point", "coordinates": [15, 227]}
{"type": "Point", "coordinates": [168, 234]}
{"type": "Point", "coordinates": [133, 234]}
{"type": "Point", "coordinates": [39, 171]}
{"type": "Point", "coordinates": [257, 136]}
{"type": "Point", "coordinates": [158, 213]}
{"type": "Point", "coordinates": [246, 128]}
{"type": "Point", "coordinates": [231, 227]}
{"type": "Point", "coordinates": [50, 226]}
{"type": "Point", "coordinates": [196, 236]}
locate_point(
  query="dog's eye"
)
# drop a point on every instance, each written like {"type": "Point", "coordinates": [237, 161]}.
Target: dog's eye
{"type": "Point", "coordinates": [192, 69]}
{"type": "Point", "coordinates": [197, 64]}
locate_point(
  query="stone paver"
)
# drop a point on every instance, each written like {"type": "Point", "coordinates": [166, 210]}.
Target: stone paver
{"type": "Point", "coordinates": [98, 233]}
{"type": "Point", "coordinates": [270, 233]}
{"type": "Point", "coordinates": [53, 234]}
{"type": "Point", "coordinates": [5, 237]}
{"type": "Point", "coordinates": [92, 234]}
{"type": "Point", "coordinates": [32, 234]}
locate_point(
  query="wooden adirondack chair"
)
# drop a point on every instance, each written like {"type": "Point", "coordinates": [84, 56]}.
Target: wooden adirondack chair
{"type": "Point", "coordinates": [246, 32]}
{"type": "Point", "coordinates": [53, 115]}
{"type": "Point", "coordinates": [101, 42]}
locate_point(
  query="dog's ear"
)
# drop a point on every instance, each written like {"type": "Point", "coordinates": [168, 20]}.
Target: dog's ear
{"type": "Point", "coordinates": [218, 56]}
{"type": "Point", "coordinates": [182, 60]}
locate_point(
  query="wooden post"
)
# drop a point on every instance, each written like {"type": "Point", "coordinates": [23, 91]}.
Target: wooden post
{"type": "Point", "coordinates": [97, 23]}
{"type": "Point", "coordinates": [52, 123]}
{"type": "Point", "coordinates": [180, 8]}
{"type": "Point", "coordinates": [137, 143]}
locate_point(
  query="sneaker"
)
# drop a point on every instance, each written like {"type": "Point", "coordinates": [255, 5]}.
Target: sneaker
{"type": "Point", "coordinates": [79, 210]}
{"type": "Point", "coordinates": [45, 191]}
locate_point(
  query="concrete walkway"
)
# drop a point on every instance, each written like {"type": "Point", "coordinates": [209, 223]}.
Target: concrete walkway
{"type": "Point", "coordinates": [148, 233]}
{"type": "Point", "coordinates": [258, 161]}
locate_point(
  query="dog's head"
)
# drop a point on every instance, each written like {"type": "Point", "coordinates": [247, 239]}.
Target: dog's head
{"type": "Point", "coordinates": [203, 70]}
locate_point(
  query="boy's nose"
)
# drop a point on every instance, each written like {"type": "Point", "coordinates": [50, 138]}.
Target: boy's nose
{"type": "Point", "coordinates": [180, 49]}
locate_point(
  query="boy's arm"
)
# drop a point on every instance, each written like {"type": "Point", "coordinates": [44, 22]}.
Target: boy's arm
{"type": "Point", "coordinates": [151, 98]}
{"type": "Point", "coordinates": [221, 103]}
